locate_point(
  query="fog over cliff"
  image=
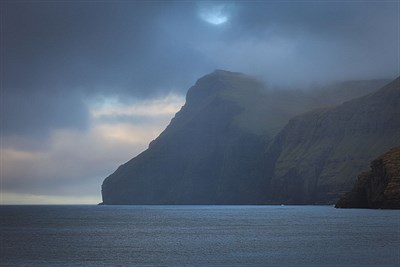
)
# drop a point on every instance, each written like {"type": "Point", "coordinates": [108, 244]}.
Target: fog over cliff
{"type": "Point", "coordinates": [85, 86]}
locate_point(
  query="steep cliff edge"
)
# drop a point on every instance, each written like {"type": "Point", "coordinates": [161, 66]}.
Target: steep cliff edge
{"type": "Point", "coordinates": [317, 155]}
{"type": "Point", "coordinates": [378, 188]}
{"type": "Point", "coordinates": [213, 150]}
{"type": "Point", "coordinates": [209, 154]}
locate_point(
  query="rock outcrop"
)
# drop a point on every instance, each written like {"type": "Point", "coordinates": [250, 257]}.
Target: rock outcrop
{"type": "Point", "coordinates": [379, 188]}
{"type": "Point", "coordinates": [317, 155]}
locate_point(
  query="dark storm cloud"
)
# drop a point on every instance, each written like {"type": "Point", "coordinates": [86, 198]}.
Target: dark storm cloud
{"type": "Point", "coordinates": [34, 113]}
{"type": "Point", "coordinates": [307, 41]}
{"type": "Point", "coordinates": [139, 47]}
{"type": "Point", "coordinates": [54, 45]}
{"type": "Point", "coordinates": [60, 59]}
{"type": "Point", "coordinates": [54, 52]}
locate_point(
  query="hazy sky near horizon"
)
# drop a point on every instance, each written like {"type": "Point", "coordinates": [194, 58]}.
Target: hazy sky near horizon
{"type": "Point", "coordinates": [85, 85]}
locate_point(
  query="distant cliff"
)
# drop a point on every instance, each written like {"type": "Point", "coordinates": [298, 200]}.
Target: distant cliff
{"type": "Point", "coordinates": [378, 188]}
{"type": "Point", "coordinates": [213, 151]}
{"type": "Point", "coordinates": [315, 158]}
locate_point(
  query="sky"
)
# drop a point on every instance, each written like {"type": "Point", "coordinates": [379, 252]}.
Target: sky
{"type": "Point", "coordinates": [86, 85]}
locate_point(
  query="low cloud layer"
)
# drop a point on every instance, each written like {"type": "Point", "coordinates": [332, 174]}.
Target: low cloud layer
{"type": "Point", "coordinates": [74, 162]}
{"type": "Point", "coordinates": [81, 80]}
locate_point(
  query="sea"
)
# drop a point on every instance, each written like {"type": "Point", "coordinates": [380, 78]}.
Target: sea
{"type": "Point", "coordinates": [198, 236]}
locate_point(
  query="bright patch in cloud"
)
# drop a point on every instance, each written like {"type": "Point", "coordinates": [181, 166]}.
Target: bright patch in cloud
{"type": "Point", "coordinates": [15, 199]}
{"type": "Point", "coordinates": [214, 14]}
{"type": "Point", "coordinates": [71, 169]}
{"type": "Point", "coordinates": [166, 106]}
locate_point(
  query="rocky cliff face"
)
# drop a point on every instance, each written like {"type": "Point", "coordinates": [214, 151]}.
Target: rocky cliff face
{"type": "Point", "coordinates": [317, 155]}
{"type": "Point", "coordinates": [209, 154]}
{"type": "Point", "coordinates": [213, 150]}
{"type": "Point", "coordinates": [378, 188]}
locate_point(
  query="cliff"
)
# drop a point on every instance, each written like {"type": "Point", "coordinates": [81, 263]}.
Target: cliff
{"type": "Point", "coordinates": [378, 188]}
{"type": "Point", "coordinates": [315, 158]}
{"type": "Point", "coordinates": [209, 154]}
{"type": "Point", "coordinates": [213, 151]}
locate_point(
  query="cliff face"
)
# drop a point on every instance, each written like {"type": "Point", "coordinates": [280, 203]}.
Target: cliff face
{"type": "Point", "coordinates": [317, 155]}
{"type": "Point", "coordinates": [213, 151]}
{"type": "Point", "coordinates": [209, 154]}
{"type": "Point", "coordinates": [378, 188]}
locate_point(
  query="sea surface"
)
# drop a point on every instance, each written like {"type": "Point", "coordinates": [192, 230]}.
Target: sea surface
{"type": "Point", "coordinates": [198, 236]}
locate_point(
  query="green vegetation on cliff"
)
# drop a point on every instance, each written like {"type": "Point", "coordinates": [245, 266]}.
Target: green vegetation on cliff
{"type": "Point", "coordinates": [317, 155]}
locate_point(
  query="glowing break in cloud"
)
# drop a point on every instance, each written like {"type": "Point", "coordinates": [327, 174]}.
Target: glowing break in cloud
{"type": "Point", "coordinates": [215, 14]}
{"type": "Point", "coordinates": [166, 106]}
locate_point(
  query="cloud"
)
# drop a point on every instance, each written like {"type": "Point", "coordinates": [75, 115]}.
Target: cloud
{"type": "Point", "coordinates": [23, 199]}
{"type": "Point", "coordinates": [142, 49]}
{"type": "Point", "coordinates": [307, 42]}
{"type": "Point", "coordinates": [99, 47]}
{"type": "Point", "coordinates": [112, 107]}
{"type": "Point", "coordinates": [295, 61]}
{"type": "Point", "coordinates": [215, 13]}
{"type": "Point", "coordinates": [76, 162]}
{"type": "Point", "coordinates": [35, 113]}
{"type": "Point", "coordinates": [86, 84]}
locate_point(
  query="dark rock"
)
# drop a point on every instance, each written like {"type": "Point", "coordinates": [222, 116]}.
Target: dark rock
{"type": "Point", "coordinates": [209, 154]}
{"type": "Point", "coordinates": [379, 188]}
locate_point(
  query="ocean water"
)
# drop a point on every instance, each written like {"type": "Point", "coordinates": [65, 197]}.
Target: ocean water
{"type": "Point", "coordinates": [198, 236]}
